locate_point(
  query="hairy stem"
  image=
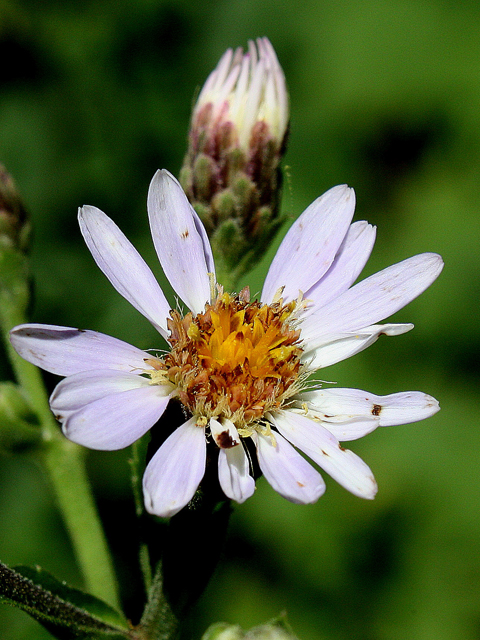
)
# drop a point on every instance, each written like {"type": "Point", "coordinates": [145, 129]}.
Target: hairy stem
{"type": "Point", "coordinates": [158, 620]}
{"type": "Point", "coordinates": [65, 466]}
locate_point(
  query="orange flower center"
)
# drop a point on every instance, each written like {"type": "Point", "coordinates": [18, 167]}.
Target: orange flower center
{"type": "Point", "coordinates": [237, 360]}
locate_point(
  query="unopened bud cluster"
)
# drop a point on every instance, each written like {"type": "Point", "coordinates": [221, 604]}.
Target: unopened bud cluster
{"type": "Point", "coordinates": [14, 224]}
{"type": "Point", "coordinates": [237, 138]}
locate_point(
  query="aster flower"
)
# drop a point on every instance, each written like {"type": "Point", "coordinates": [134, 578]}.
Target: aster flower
{"type": "Point", "coordinates": [237, 139]}
{"type": "Point", "coordinates": [240, 368]}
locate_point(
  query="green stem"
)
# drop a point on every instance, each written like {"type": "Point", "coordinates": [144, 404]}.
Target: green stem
{"type": "Point", "coordinates": [136, 477]}
{"type": "Point", "coordinates": [158, 621]}
{"type": "Point", "coordinates": [64, 463]}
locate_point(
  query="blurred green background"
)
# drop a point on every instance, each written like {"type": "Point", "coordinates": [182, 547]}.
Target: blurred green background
{"type": "Point", "coordinates": [385, 96]}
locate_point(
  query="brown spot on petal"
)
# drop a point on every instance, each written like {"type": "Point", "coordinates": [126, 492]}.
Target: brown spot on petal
{"type": "Point", "coordinates": [225, 440]}
{"type": "Point", "coordinates": [300, 484]}
{"type": "Point", "coordinates": [376, 409]}
{"type": "Point", "coordinates": [325, 453]}
{"type": "Point", "coordinates": [185, 234]}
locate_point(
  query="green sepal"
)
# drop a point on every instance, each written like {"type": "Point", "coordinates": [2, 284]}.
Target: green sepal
{"type": "Point", "coordinates": [224, 205]}
{"type": "Point", "coordinates": [203, 171]}
{"type": "Point", "coordinates": [205, 214]}
{"type": "Point", "coordinates": [67, 613]}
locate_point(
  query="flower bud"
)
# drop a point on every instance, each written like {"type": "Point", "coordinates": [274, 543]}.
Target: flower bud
{"type": "Point", "coordinates": [14, 240]}
{"type": "Point", "coordinates": [223, 631]}
{"type": "Point", "coordinates": [14, 224]}
{"type": "Point", "coordinates": [236, 142]}
{"type": "Point", "coordinates": [276, 630]}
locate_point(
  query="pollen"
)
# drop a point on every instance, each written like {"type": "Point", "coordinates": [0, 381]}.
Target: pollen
{"type": "Point", "coordinates": [237, 360]}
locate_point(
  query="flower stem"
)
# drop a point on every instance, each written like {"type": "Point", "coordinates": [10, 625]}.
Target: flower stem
{"type": "Point", "coordinates": [143, 554]}
{"type": "Point", "coordinates": [64, 463]}
{"type": "Point", "coordinates": [158, 620]}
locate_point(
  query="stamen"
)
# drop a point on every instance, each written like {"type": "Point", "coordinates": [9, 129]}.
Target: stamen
{"type": "Point", "coordinates": [211, 278]}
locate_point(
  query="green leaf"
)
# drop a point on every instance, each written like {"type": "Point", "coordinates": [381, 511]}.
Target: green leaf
{"type": "Point", "coordinates": [67, 613]}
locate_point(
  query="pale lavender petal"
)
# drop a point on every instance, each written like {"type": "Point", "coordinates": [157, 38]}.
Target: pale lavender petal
{"type": "Point", "coordinates": [281, 94]}
{"type": "Point", "coordinates": [175, 471]}
{"type": "Point", "coordinates": [347, 431]}
{"type": "Point", "coordinates": [234, 474]}
{"type": "Point", "coordinates": [80, 389]}
{"type": "Point", "coordinates": [405, 407]}
{"type": "Point", "coordinates": [347, 266]}
{"type": "Point", "coordinates": [65, 351]}
{"type": "Point", "coordinates": [327, 406]}
{"type": "Point", "coordinates": [374, 298]}
{"type": "Point", "coordinates": [254, 94]}
{"type": "Point", "coordinates": [124, 267]}
{"type": "Point", "coordinates": [218, 75]}
{"type": "Point", "coordinates": [332, 349]}
{"type": "Point", "coordinates": [180, 241]}
{"type": "Point", "coordinates": [323, 448]}
{"type": "Point", "coordinates": [286, 471]}
{"type": "Point", "coordinates": [342, 405]}
{"type": "Point", "coordinates": [308, 249]}
{"type": "Point", "coordinates": [233, 465]}
{"type": "Point", "coordinates": [115, 421]}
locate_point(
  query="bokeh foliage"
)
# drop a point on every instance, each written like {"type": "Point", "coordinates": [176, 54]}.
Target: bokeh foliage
{"type": "Point", "coordinates": [94, 97]}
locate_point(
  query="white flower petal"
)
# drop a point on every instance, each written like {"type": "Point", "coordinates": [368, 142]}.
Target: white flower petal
{"type": "Point", "coordinates": [279, 105]}
{"type": "Point", "coordinates": [308, 249]}
{"type": "Point", "coordinates": [347, 266]}
{"type": "Point", "coordinates": [334, 349]}
{"type": "Point", "coordinates": [115, 421]}
{"type": "Point", "coordinates": [175, 471]}
{"type": "Point", "coordinates": [342, 405]}
{"type": "Point", "coordinates": [405, 407]}
{"type": "Point", "coordinates": [218, 75]}
{"type": "Point", "coordinates": [323, 448]}
{"type": "Point", "coordinates": [65, 351]}
{"type": "Point", "coordinates": [80, 389]}
{"type": "Point", "coordinates": [352, 430]}
{"type": "Point", "coordinates": [180, 241]}
{"type": "Point", "coordinates": [254, 96]}
{"type": "Point", "coordinates": [286, 471]}
{"type": "Point", "coordinates": [374, 298]}
{"type": "Point", "coordinates": [234, 474]}
{"type": "Point", "coordinates": [123, 266]}
{"type": "Point", "coordinates": [233, 465]}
